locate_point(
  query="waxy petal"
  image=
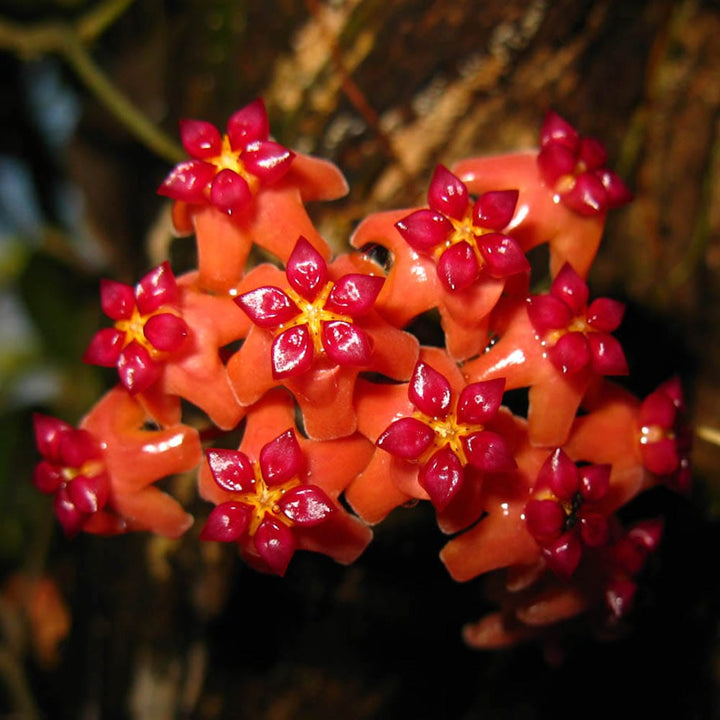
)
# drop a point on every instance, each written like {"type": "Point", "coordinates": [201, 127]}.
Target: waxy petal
{"type": "Point", "coordinates": [292, 352]}
{"type": "Point", "coordinates": [188, 182]}
{"type": "Point", "coordinates": [605, 315]}
{"type": "Point", "coordinates": [546, 313]}
{"type": "Point", "coordinates": [557, 130]}
{"type": "Point", "coordinates": [571, 353]}
{"type": "Point", "coordinates": [594, 482]}
{"type": "Point", "coordinates": [307, 505]}
{"type": "Point", "coordinates": [268, 306]}
{"type": "Point", "coordinates": [555, 162]}
{"type": "Point", "coordinates": [48, 435]}
{"type": "Point", "coordinates": [200, 139]}
{"type": "Point", "coordinates": [617, 193]}
{"type": "Point", "coordinates": [594, 529]}
{"type": "Point", "coordinates": [407, 438]}
{"type": "Point", "coordinates": [346, 344]}
{"type": "Point", "coordinates": [488, 451]}
{"type": "Point", "coordinates": [136, 369]}
{"type": "Point", "coordinates": [166, 332]}
{"type": "Point", "coordinates": [48, 477]}
{"type": "Point", "coordinates": [441, 477]}
{"type": "Point", "coordinates": [70, 517]}
{"type": "Point", "coordinates": [607, 355]}
{"type": "Point", "coordinates": [569, 287]}
{"type": "Point", "coordinates": [564, 555]}
{"type": "Point", "coordinates": [306, 270]}
{"type": "Point", "coordinates": [77, 447]}
{"type": "Point", "coordinates": [117, 299]}
{"type": "Point", "coordinates": [275, 544]}
{"type": "Point", "coordinates": [494, 210]}
{"type": "Point", "coordinates": [227, 522]}
{"type": "Point", "coordinates": [232, 470]}
{"type": "Point", "coordinates": [588, 196]}
{"type": "Point", "coordinates": [156, 289]}
{"type": "Point", "coordinates": [447, 194]}
{"type": "Point", "coordinates": [592, 153]}
{"type": "Point", "coordinates": [503, 257]}
{"type": "Point", "coordinates": [619, 595]}
{"type": "Point", "coordinates": [354, 294]}
{"type": "Point", "coordinates": [658, 409]}
{"type": "Point", "coordinates": [230, 192]}
{"type": "Point", "coordinates": [89, 493]}
{"type": "Point", "coordinates": [458, 267]}
{"type": "Point", "coordinates": [105, 348]}
{"type": "Point", "coordinates": [479, 402]}
{"type": "Point", "coordinates": [248, 125]}
{"type": "Point", "coordinates": [661, 457]}
{"type": "Point", "coordinates": [281, 459]}
{"type": "Point", "coordinates": [268, 161]}
{"type": "Point", "coordinates": [429, 391]}
{"type": "Point", "coordinates": [545, 520]}
{"type": "Point", "coordinates": [560, 474]}
{"type": "Point", "coordinates": [423, 229]}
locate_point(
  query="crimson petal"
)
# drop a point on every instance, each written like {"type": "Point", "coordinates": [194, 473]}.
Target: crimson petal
{"type": "Point", "coordinates": [48, 477]}
{"type": "Point", "coordinates": [248, 125]}
{"type": "Point", "coordinates": [268, 161]}
{"type": "Point", "coordinates": [137, 370]}
{"type": "Point", "coordinates": [594, 482]}
{"type": "Point", "coordinates": [268, 306]}
{"type": "Point", "coordinates": [200, 139]}
{"type": "Point", "coordinates": [89, 493]}
{"type": "Point", "coordinates": [545, 520]}
{"type": "Point", "coordinates": [605, 315]}
{"type": "Point", "coordinates": [275, 544]}
{"type": "Point", "coordinates": [306, 269]}
{"type": "Point", "coordinates": [188, 181]}
{"type": "Point", "coordinates": [441, 477]}
{"type": "Point", "coordinates": [105, 348]}
{"type": "Point", "coordinates": [227, 522]}
{"type": "Point", "coordinates": [556, 129]}
{"type": "Point", "coordinates": [49, 432]}
{"type": "Point", "coordinates": [232, 470]}
{"type": "Point", "coordinates": [447, 193]}
{"type": "Point", "coordinates": [571, 353]}
{"type": "Point", "coordinates": [71, 519]}
{"type": "Point", "coordinates": [569, 287]}
{"type": "Point", "coordinates": [346, 344]}
{"type": "Point", "coordinates": [354, 294]}
{"type": "Point", "coordinates": [607, 355]}
{"type": "Point", "coordinates": [560, 474]}
{"type": "Point", "coordinates": [292, 352]}
{"type": "Point", "coordinates": [407, 438]}
{"type": "Point", "coordinates": [488, 451]}
{"type": "Point", "coordinates": [281, 459]}
{"type": "Point", "coordinates": [423, 229]}
{"type": "Point", "coordinates": [117, 299]}
{"type": "Point", "coordinates": [546, 313]}
{"type": "Point", "coordinates": [230, 192]}
{"type": "Point", "coordinates": [494, 210]}
{"type": "Point", "coordinates": [563, 556]}
{"type": "Point", "coordinates": [307, 505]}
{"type": "Point", "coordinates": [480, 401]}
{"type": "Point", "coordinates": [458, 267]}
{"type": "Point", "coordinates": [502, 255]}
{"type": "Point", "coordinates": [587, 196]}
{"type": "Point", "coordinates": [429, 391]}
{"type": "Point", "coordinates": [156, 289]}
{"type": "Point", "coordinates": [166, 332]}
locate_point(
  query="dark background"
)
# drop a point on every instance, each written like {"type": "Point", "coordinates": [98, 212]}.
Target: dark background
{"type": "Point", "coordinates": [386, 90]}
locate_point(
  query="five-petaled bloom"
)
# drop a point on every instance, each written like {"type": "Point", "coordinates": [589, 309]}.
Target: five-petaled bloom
{"type": "Point", "coordinates": [271, 500]}
{"type": "Point", "coordinates": [560, 513]}
{"type": "Point", "coordinates": [227, 170]}
{"type": "Point", "coordinates": [574, 334]}
{"type": "Point", "coordinates": [444, 437]}
{"type": "Point", "coordinates": [72, 469]}
{"type": "Point", "coordinates": [464, 238]}
{"type": "Point", "coordinates": [574, 169]}
{"type": "Point", "coordinates": [314, 316]}
{"type": "Point", "coordinates": [148, 328]}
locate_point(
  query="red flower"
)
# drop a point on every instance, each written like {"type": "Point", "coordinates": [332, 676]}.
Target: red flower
{"type": "Point", "coordinates": [444, 436]}
{"type": "Point", "coordinates": [560, 514]}
{"type": "Point", "coordinates": [464, 238]}
{"type": "Point", "coordinates": [576, 336]}
{"type": "Point", "coordinates": [574, 168]}
{"type": "Point", "coordinates": [227, 170]}
{"type": "Point", "coordinates": [148, 328]}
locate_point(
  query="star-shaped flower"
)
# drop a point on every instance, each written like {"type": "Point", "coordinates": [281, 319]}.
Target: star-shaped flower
{"type": "Point", "coordinates": [148, 328]}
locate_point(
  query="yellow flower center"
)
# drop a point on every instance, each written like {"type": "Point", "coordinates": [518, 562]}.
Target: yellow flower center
{"type": "Point", "coordinates": [448, 432]}
{"type": "Point", "coordinates": [264, 500]}
{"type": "Point", "coordinates": [134, 329]}
{"type": "Point", "coordinates": [463, 231]}
{"type": "Point", "coordinates": [229, 159]}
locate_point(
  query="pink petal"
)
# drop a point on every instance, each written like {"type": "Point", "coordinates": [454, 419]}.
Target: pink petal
{"type": "Point", "coordinates": [458, 267]}
{"type": "Point", "coordinates": [354, 294]}
{"type": "Point", "coordinates": [564, 555]}
{"type": "Point", "coordinates": [618, 193]}
{"type": "Point", "coordinates": [156, 289]}
{"type": "Point", "coordinates": [619, 595]}
{"type": "Point", "coordinates": [594, 482]}
{"type": "Point", "coordinates": [569, 287]}
{"type": "Point", "coordinates": [608, 357]}
{"type": "Point", "coordinates": [502, 255]}
{"type": "Point", "coordinates": [545, 520]}
{"type": "Point", "coordinates": [423, 229]}
{"type": "Point", "coordinates": [571, 353]}
{"type": "Point", "coordinates": [429, 391]}
{"type": "Point", "coordinates": [647, 533]}
{"type": "Point", "coordinates": [89, 493]}
{"type": "Point", "coordinates": [48, 435]}
{"type": "Point", "coordinates": [587, 197]}
{"type": "Point", "coordinates": [71, 519]}
{"type": "Point", "coordinates": [546, 313]}
{"type": "Point", "coordinates": [105, 348]}
{"type": "Point", "coordinates": [117, 299]}
{"type": "Point", "coordinates": [447, 194]}
{"type": "Point", "coordinates": [200, 139]}
{"type": "Point", "coordinates": [230, 192]}
{"type": "Point", "coordinates": [407, 438]}
{"type": "Point", "coordinates": [281, 459]}
{"type": "Point", "coordinates": [268, 161]}
{"type": "Point", "coordinates": [188, 182]}
{"type": "Point", "coordinates": [479, 402]}
{"type": "Point", "coordinates": [605, 315]}
{"type": "Point", "coordinates": [555, 162]}
{"type": "Point", "coordinates": [48, 477]}
{"type": "Point", "coordinates": [292, 352]}
{"type": "Point", "coordinates": [494, 210]}
{"type": "Point", "coordinates": [307, 505]}
{"type": "Point", "coordinates": [232, 470]}
{"type": "Point", "coordinates": [559, 131]}
{"type": "Point", "coordinates": [306, 270]}
{"type": "Point", "coordinates": [657, 409]}
{"type": "Point", "coordinates": [137, 370]}
{"type": "Point", "coordinates": [268, 306]}
{"type": "Point", "coordinates": [166, 332]}
{"type": "Point", "coordinates": [592, 153]}
{"type": "Point", "coordinates": [660, 457]}
{"type": "Point", "coordinates": [275, 544]}
{"type": "Point", "coordinates": [227, 522]}
{"type": "Point", "coordinates": [560, 474]}
{"type": "Point", "coordinates": [594, 530]}
{"type": "Point", "coordinates": [488, 451]}
{"type": "Point", "coordinates": [77, 447]}
{"type": "Point", "coordinates": [346, 344]}
{"type": "Point", "coordinates": [248, 125]}
{"type": "Point", "coordinates": [441, 477]}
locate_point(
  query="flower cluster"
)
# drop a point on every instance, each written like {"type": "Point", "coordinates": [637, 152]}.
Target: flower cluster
{"type": "Point", "coordinates": [345, 416]}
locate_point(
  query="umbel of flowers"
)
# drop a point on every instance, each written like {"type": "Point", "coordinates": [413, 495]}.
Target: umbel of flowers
{"type": "Point", "coordinates": [341, 407]}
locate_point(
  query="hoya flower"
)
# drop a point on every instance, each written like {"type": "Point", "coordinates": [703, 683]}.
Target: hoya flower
{"type": "Point", "coordinates": [445, 433]}
{"type": "Point", "coordinates": [574, 167]}
{"type": "Point", "coordinates": [314, 329]}
{"type": "Point", "coordinates": [278, 493]}
{"type": "Point", "coordinates": [464, 238]}
{"type": "Point", "coordinates": [574, 334]}
{"type": "Point", "coordinates": [561, 514]}
{"type": "Point", "coordinates": [665, 435]}
{"type": "Point", "coordinates": [227, 170]}
{"type": "Point", "coordinates": [148, 328]}
{"type": "Point", "coordinates": [103, 473]}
